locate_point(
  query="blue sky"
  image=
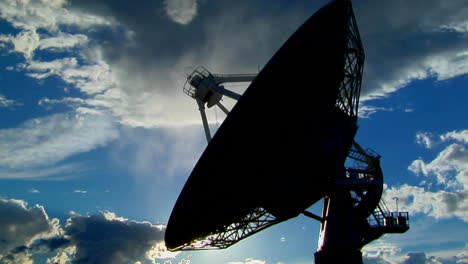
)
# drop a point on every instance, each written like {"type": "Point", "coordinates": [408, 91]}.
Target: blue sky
{"type": "Point", "coordinates": [97, 138]}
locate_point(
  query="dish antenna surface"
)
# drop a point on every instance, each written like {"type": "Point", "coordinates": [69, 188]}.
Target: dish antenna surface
{"type": "Point", "coordinates": [283, 147]}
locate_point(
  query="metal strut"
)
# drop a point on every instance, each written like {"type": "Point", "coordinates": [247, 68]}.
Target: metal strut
{"type": "Point", "coordinates": [207, 89]}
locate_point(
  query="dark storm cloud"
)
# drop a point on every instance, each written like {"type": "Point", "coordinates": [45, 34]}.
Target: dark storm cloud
{"type": "Point", "coordinates": [98, 238]}
{"type": "Point", "coordinates": [50, 244]}
{"type": "Point", "coordinates": [19, 227]}
{"type": "Point", "coordinates": [105, 238]}
{"type": "Point", "coordinates": [224, 36]}
{"type": "Point", "coordinates": [402, 38]}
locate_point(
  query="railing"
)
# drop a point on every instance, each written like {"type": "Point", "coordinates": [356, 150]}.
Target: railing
{"type": "Point", "coordinates": [388, 222]}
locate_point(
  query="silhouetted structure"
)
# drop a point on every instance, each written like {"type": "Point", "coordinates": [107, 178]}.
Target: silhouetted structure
{"type": "Point", "coordinates": [283, 147]}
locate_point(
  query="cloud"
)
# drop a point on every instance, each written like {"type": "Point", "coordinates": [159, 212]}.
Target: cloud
{"type": "Point", "coordinates": [450, 166]}
{"type": "Point", "coordinates": [137, 73]}
{"type": "Point", "coordinates": [80, 191]}
{"type": "Point", "coordinates": [424, 139]}
{"type": "Point", "coordinates": [20, 226]}
{"type": "Point", "coordinates": [450, 172]}
{"type": "Point", "coordinates": [249, 261]}
{"type": "Point", "coordinates": [8, 103]}
{"type": "Point", "coordinates": [366, 110]}
{"type": "Point", "coordinates": [90, 79]}
{"type": "Point", "coordinates": [134, 76]}
{"type": "Point", "coordinates": [416, 258]}
{"type": "Point", "coordinates": [461, 136]}
{"type": "Point", "coordinates": [401, 47]}
{"type": "Point", "coordinates": [415, 48]}
{"type": "Point", "coordinates": [26, 42]}
{"type": "Point", "coordinates": [176, 148]}
{"type": "Point", "coordinates": [438, 204]}
{"type": "Point", "coordinates": [381, 252]}
{"type": "Point", "coordinates": [63, 41]}
{"type": "Point", "coordinates": [52, 173]}
{"type": "Point", "coordinates": [63, 256]}
{"type": "Point", "coordinates": [422, 258]}
{"type": "Point", "coordinates": [43, 142]}
{"type": "Point", "coordinates": [149, 74]}
{"type": "Point", "coordinates": [106, 238]}
{"type": "Point", "coordinates": [34, 190]}
{"type": "Point", "coordinates": [181, 11]}
{"type": "Point", "coordinates": [46, 14]}
{"type": "Point", "coordinates": [99, 238]}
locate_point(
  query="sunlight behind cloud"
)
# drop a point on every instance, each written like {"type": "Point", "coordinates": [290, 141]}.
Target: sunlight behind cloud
{"type": "Point", "coordinates": [181, 11]}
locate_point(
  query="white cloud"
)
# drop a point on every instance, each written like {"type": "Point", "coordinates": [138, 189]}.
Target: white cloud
{"type": "Point", "coordinates": [181, 11]}
{"type": "Point", "coordinates": [450, 170]}
{"type": "Point", "coordinates": [446, 66]}
{"type": "Point", "coordinates": [80, 191]}
{"type": "Point", "coordinates": [44, 69]}
{"type": "Point", "coordinates": [63, 41]}
{"type": "Point", "coordinates": [95, 77]}
{"type": "Point", "coordinates": [461, 136]}
{"type": "Point", "coordinates": [249, 261]}
{"type": "Point", "coordinates": [55, 172]}
{"type": "Point", "coordinates": [424, 139]}
{"type": "Point", "coordinates": [442, 66]}
{"type": "Point", "coordinates": [4, 102]}
{"type": "Point", "coordinates": [35, 14]}
{"type": "Point", "coordinates": [415, 258]}
{"type": "Point", "coordinates": [380, 252]}
{"type": "Point", "coordinates": [26, 42]}
{"type": "Point", "coordinates": [440, 204]}
{"type": "Point", "coordinates": [365, 110]}
{"type": "Point", "coordinates": [418, 167]}
{"type": "Point", "coordinates": [45, 141]}
{"type": "Point", "coordinates": [34, 190]}
{"type": "Point", "coordinates": [450, 166]}
{"type": "Point", "coordinates": [459, 24]}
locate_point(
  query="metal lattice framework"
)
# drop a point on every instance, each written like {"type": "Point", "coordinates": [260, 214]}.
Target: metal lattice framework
{"type": "Point", "coordinates": [366, 175]}
{"type": "Point", "coordinates": [350, 87]}
{"type": "Point", "coordinates": [254, 222]}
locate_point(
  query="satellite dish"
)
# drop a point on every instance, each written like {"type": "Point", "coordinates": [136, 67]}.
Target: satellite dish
{"type": "Point", "coordinates": [283, 146]}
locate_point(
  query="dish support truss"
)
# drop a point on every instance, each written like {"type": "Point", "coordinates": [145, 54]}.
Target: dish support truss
{"type": "Point", "coordinates": [254, 222]}
{"type": "Point", "coordinates": [350, 87]}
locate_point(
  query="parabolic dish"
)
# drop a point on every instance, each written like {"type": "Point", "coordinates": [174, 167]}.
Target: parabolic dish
{"type": "Point", "coordinates": [283, 143]}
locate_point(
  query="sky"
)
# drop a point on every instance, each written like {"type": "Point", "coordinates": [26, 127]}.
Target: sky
{"type": "Point", "coordinates": [97, 138]}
